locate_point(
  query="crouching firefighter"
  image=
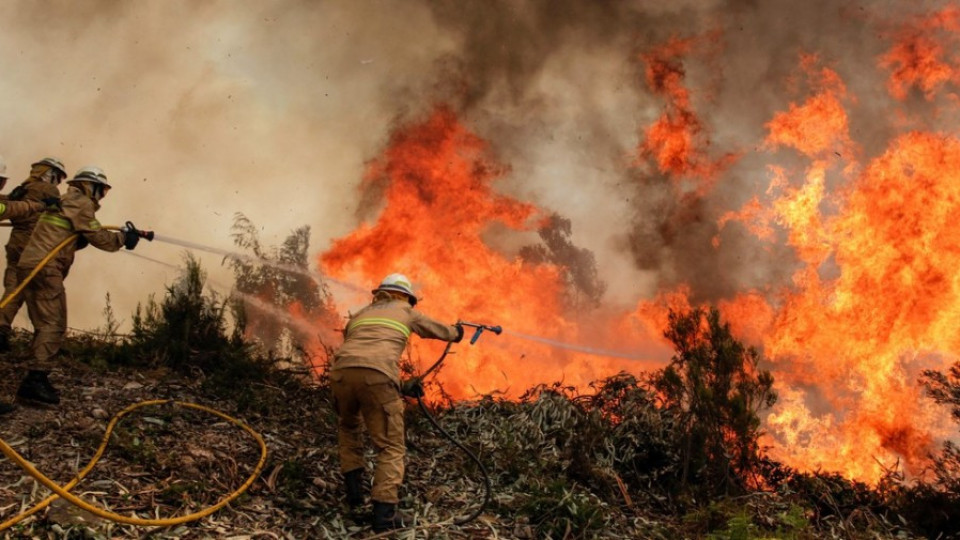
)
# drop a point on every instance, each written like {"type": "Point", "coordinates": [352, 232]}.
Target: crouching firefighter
{"type": "Point", "coordinates": [21, 210]}
{"type": "Point", "coordinates": [365, 379]}
{"type": "Point", "coordinates": [45, 296]}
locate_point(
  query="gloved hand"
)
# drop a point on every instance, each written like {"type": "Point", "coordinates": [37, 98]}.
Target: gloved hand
{"type": "Point", "coordinates": [459, 328]}
{"type": "Point", "coordinates": [412, 387]}
{"type": "Point", "coordinates": [82, 242]}
{"type": "Point", "coordinates": [53, 203]}
{"type": "Point", "coordinates": [130, 236]}
{"type": "Point", "coordinates": [18, 193]}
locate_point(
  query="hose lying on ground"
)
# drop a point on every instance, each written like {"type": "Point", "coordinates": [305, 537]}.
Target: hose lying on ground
{"type": "Point", "coordinates": [64, 491]}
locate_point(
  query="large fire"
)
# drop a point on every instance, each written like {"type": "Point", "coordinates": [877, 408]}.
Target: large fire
{"type": "Point", "coordinates": [874, 296]}
{"type": "Point", "coordinates": [437, 180]}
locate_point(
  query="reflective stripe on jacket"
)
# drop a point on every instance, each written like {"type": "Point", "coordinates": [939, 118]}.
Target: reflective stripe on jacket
{"type": "Point", "coordinates": [77, 215]}
{"type": "Point", "coordinates": [376, 336]}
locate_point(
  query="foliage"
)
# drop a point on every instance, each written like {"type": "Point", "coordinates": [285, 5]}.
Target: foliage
{"type": "Point", "coordinates": [715, 392]}
{"type": "Point", "coordinates": [562, 511]}
{"type": "Point", "coordinates": [579, 265]}
{"type": "Point", "coordinates": [932, 505]}
{"type": "Point", "coordinates": [272, 283]}
{"type": "Point", "coordinates": [187, 329]}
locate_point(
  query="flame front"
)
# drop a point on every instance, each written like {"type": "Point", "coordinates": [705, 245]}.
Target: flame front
{"type": "Point", "coordinates": [877, 297]}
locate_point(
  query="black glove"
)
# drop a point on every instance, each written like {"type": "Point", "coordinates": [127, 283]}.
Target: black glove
{"type": "Point", "coordinates": [130, 236]}
{"type": "Point", "coordinates": [53, 203]}
{"type": "Point", "coordinates": [459, 332]}
{"type": "Point", "coordinates": [412, 388]}
{"type": "Point", "coordinates": [82, 242]}
{"type": "Point", "coordinates": [18, 193]}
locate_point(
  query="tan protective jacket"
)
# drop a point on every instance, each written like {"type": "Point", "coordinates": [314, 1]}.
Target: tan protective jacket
{"type": "Point", "coordinates": [20, 209]}
{"type": "Point", "coordinates": [77, 215]}
{"type": "Point", "coordinates": [36, 190]}
{"type": "Point", "coordinates": [376, 336]}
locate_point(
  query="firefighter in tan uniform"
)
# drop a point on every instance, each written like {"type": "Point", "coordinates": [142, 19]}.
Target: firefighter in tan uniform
{"type": "Point", "coordinates": [45, 296]}
{"type": "Point", "coordinates": [19, 210]}
{"type": "Point", "coordinates": [365, 379]}
{"type": "Point", "coordinates": [45, 176]}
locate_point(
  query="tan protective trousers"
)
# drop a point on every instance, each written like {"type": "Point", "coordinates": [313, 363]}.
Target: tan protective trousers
{"type": "Point", "coordinates": [47, 306]}
{"type": "Point", "coordinates": [10, 282]}
{"type": "Point", "coordinates": [368, 397]}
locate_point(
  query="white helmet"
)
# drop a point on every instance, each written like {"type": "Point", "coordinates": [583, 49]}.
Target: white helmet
{"type": "Point", "coordinates": [398, 283]}
{"type": "Point", "coordinates": [54, 163]}
{"type": "Point", "coordinates": [90, 174]}
{"type": "Point", "coordinates": [3, 168]}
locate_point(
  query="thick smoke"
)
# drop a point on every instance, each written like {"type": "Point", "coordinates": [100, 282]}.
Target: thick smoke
{"type": "Point", "coordinates": [560, 88]}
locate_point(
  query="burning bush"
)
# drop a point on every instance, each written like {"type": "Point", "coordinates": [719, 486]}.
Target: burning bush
{"type": "Point", "coordinates": [933, 504]}
{"type": "Point", "coordinates": [715, 392]}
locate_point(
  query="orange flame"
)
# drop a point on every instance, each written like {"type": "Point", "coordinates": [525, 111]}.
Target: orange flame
{"type": "Point", "coordinates": [677, 141]}
{"type": "Point", "coordinates": [849, 349]}
{"type": "Point", "coordinates": [437, 178]}
{"type": "Point", "coordinates": [917, 59]}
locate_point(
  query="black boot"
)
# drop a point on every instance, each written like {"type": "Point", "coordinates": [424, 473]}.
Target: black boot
{"type": "Point", "coordinates": [4, 342]}
{"type": "Point", "coordinates": [7, 408]}
{"type": "Point", "coordinates": [36, 387]}
{"type": "Point", "coordinates": [386, 517]}
{"type": "Point", "coordinates": [353, 485]}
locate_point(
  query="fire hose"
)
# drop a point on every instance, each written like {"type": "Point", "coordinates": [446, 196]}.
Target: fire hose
{"type": "Point", "coordinates": [479, 328]}
{"type": "Point", "coordinates": [64, 491]}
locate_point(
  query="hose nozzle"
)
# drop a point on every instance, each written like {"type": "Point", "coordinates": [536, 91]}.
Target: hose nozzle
{"type": "Point", "coordinates": [128, 226]}
{"type": "Point", "coordinates": [479, 329]}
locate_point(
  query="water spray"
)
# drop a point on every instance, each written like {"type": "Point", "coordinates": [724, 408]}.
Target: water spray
{"type": "Point", "coordinates": [293, 269]}
{"type": "Point", "coordinates": [609, 353]}
{"type": "Point", "coordinates": [272, 310]}
{"type": "Point", "coordinates": [321, 279]}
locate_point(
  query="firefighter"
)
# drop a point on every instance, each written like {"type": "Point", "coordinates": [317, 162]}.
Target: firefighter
{"type": "Point", "coordinates": [365, 379]}
{"type": "Point", "coordinates": [45, 176]}
{"type": "Point", "coordinates": [20, 210]}
{"type": "Point", "coordinates": [45, 296]}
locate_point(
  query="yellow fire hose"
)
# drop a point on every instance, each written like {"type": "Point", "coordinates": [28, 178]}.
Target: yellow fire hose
{"type": "Point", "coordinates": [64, 491]}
